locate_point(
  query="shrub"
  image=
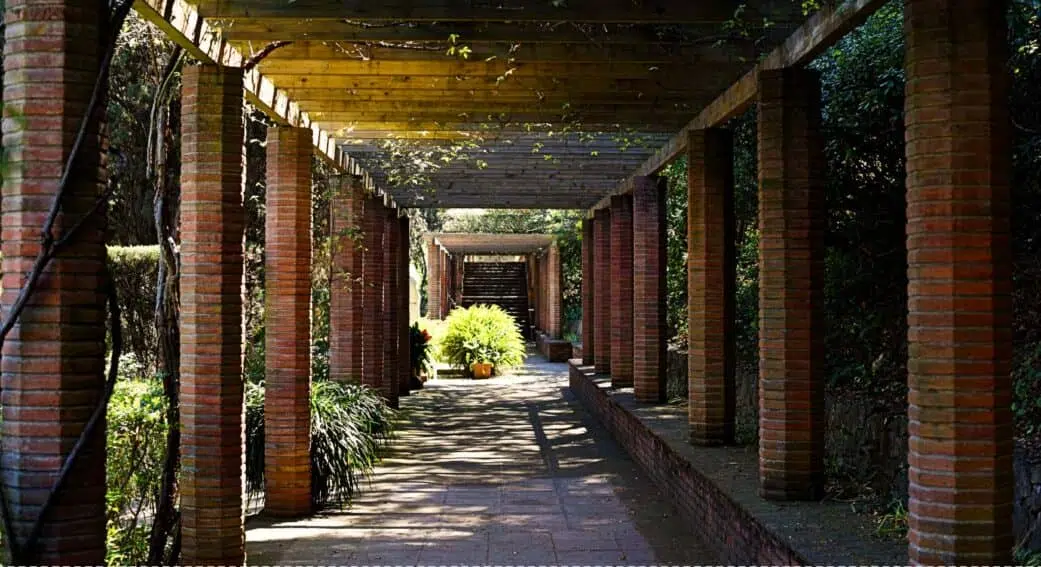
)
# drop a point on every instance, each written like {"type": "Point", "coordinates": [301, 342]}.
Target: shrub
{"type": "Point", "coordinates": [481, 333]}
{"type": "Point", "coordinates": [134, 462]}
{"type": "Point", "coordinates": [350, 425]}
{"type": "Point", "coordinates": [135, 270]}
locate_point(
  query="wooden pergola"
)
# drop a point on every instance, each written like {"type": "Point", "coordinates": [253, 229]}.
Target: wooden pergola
{"type": "Point", "coordinates": [559, 104]}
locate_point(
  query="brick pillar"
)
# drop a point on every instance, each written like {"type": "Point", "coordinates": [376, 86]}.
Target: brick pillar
{"type": "Point", "coordinates": [711, 284]}
{"type": "Point", "coordinates": [433, 280]}
{"type": "Point", "coordinates": [602, 290]}
{"type": "Point", "coordinates": [212, 224]}
{"type": "Point", "coordinates": [460, 267]}
{"type": "Point", "coordinates": [588, 312]}
{"type": "Point", "coordinates": [404, 285]}
{"type": "Point", "coordinates": [553, 287]}
{"type": "Point", "coordinates": [791, 275]}
{"type": "Point", "coordinates": [372, 339]}
{"type": "Point", "coordinates": [389, 383]}
{"type": "Point", "coordinates": [959, 266]}
{"type": "Point", "coordinates": [287, 319]}
{"type": "Point", "coordinates": [53, 373]}
{"type": "Point", "coordinates": [649, 330]}
{"type": "Point", "coordinates": [442, 271]}
{"type": "Point", "coordinates": [345, 293]}
{"type": "Point", "coordinates": [621, 278]}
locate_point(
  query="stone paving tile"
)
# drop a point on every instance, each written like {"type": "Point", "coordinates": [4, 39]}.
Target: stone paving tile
{"type": "Point", "coordinates": [507, 471]}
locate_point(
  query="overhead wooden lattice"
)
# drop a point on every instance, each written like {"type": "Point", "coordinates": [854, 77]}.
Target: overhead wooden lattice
{"type": "Point", "coordinates": [545, 103]}
{"type": "Point", "coordinates": [477, 244]}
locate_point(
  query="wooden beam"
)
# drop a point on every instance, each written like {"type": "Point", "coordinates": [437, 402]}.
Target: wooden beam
{"type": "Point", "coordinates": [181, 23]}
{"type": "Point", "coordinates": [494, 69]}
{"type": "Point", "coordinates": [708, 52]}
{"type": "Point", "coordinates": [579, 11]}
{"type": "Point", "coordinates": [822, 30]}
{"type": "Point", "coordinates": [269, 30]}
{"type": "Point", "coordinates": [343, 129]}
{"type": "Point", "coordinates": [370, 97]}
{"type": "Point", "coordinates": [454, 107]}
{"type": "Point", "coordinates": [659, 82]}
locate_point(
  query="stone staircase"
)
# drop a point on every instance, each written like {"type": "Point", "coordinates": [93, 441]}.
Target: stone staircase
{"type": "Point", "coordinates": [501, 283]}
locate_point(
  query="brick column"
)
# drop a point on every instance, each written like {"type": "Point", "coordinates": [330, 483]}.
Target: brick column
{"type": "Point", "coordinates": [460, 274]}
{"type": "Point", "coordinates": [553, 287]}
{"type": "Point", "coordinates": [372, 338]}
{"type": "Point", "coordinates": [446, 284]}
{"type": "Point", "coordinates": [621, 278]}
{"type": "Point", "coordinates": [602, 290]}
{"type": "Point", "coordinates": [959, 272]}
{"type": "Point", "coordinates": [404, 285]}
{"type": "Point", "coordinates": [791, 276]}
{"type": "Point", "coordinates": [345, 293]}
{"type": "Point", "coordinates": [287, 319]}
{"type": "Point", "coordinates": [53, 373]}
{"type": "Point", "coordinates": [212, 224]}
{"type": "Point", "coordinates": [711, 284]}
{"type": "Point", "coordinates": [433, 280]}
{"type": "Point", "coordinates": [588, 312]}
{"type": "Point", "coordinates": [649, 331]}
{"type": "Point", "coordinates": [390, 307]}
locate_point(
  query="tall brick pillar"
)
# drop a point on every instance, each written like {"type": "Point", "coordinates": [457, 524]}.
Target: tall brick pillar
{"type": "Point", "coordinates": [711, 284]}
{"type": "Point", "coordinates": [554, 314]}
{"type": "Point", "coordinates": [460, 267]}
{"type": "Point", "coordinates": [374, 278]}
{"type": "Point", "coordinates": [649, 330]}
{"type": "Point", "coordinates": [287, 319]}
{"type": "Point", "coordinates": [959, 266]}
{"type": "Point", "coordinates": [212, 224]}
{"type": "Point", "coordinates": [54, 357]}
{"type": "Point", "coordinates": [621, 281]}
{"type": "Point", "coordinates": [391, 241]}
{"type": "Point", "coordinates": [791, 276]}
{"type": "Point", "coordinates": [446, 285]}
{"type": "Point", "coordinates": [588, 312]}
{"type": "Point", "coordinates": [404, 287]}
{"type": "Point", "coordinates": [433, 280]}
{"type": "Point", "coordinates": [602, 290]}
{"type": "Point", "coordinates": [345, 291]}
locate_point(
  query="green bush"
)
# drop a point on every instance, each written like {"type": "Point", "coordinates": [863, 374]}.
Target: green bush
{"type": "Point", "coordinates": [350, 425]}
{"type": "Point", "coordinates": [481, 333]}
{"type": "Point", "coordinates": [135, 460]}
{"type": "Point", "coordinates": [135, 271]}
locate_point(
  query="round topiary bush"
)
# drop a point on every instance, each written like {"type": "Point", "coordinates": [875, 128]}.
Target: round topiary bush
{"type": "Point", "coordinates": [481, 334]}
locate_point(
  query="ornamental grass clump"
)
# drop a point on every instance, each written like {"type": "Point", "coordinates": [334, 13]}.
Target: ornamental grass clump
{"type": "Point", "coordinates": [350, 427]}
{"type": "Point", "coordinates": [481, 334]}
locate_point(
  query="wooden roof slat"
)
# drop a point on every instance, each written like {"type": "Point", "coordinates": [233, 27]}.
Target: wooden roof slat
{"type": "Point", "coordinates": [588, 11]}
{"type": "Point", "coordinates": [708, 51]}
{"type": "Point", "coordinates": [471, 33]}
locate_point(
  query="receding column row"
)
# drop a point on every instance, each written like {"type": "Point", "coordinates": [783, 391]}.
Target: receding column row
{"type": "Point", "coordinates": [961, 443]}
{"type": "Point", "coordinates": [624, 329]}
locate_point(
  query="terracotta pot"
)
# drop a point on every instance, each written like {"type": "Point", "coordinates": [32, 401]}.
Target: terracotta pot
{"type": "Point", "coordinates": [481, 370]}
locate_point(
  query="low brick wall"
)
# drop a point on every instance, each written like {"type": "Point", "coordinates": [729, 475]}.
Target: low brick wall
{"type": "Point", "coordinates": [555, 350]}
{"type": "Point", "coordinates": [716, 489]}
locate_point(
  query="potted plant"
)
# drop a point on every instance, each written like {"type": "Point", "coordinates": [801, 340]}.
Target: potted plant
{"type": "Point", "coordinates": [421, 363]}
{"type": "Point", "coordinates": [482, 340]}
{"type": "Point", "coordinates": [483, 364]}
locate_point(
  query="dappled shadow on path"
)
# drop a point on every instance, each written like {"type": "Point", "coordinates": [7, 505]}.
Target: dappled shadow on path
{"type": "Point", "coordinates": [503, 471]}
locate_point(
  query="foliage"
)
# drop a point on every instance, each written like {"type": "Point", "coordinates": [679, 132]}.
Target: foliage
{"type": "Point", "coordinates": [419, 349]}
{"type": "Point", "coordinates": [482, 333]}
{"type": "Point", "coordinates": [350, 426]}
{"type": "Point", "coordinates": [134, 462]}
{"type": "Point", "coordinates": [135, 271]}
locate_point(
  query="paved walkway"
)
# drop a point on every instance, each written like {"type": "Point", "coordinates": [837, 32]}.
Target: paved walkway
{"type": "Point", "coordinates": [507, 471]}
